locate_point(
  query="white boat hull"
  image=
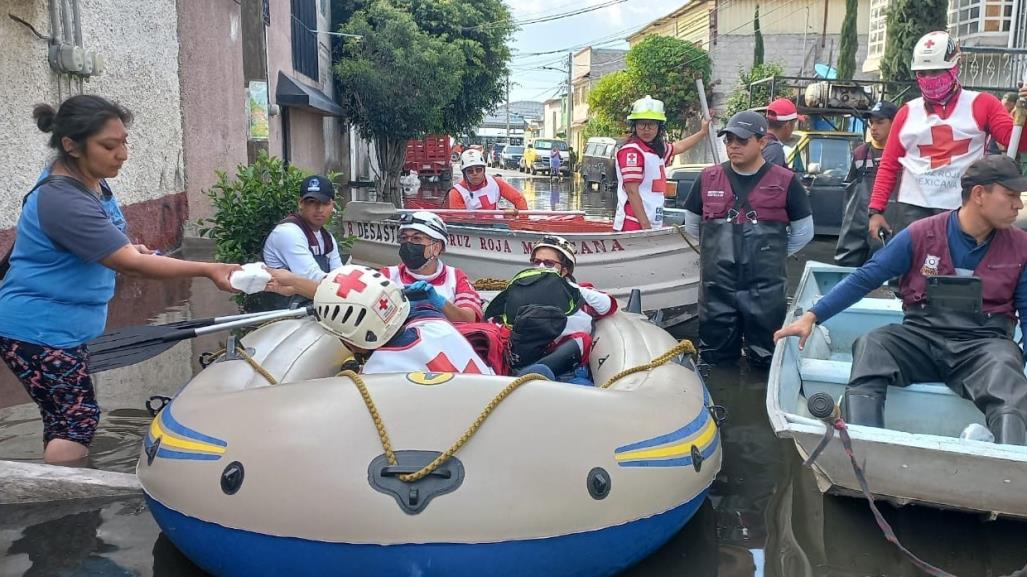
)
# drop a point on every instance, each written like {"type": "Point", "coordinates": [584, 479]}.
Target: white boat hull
{"type": "Point", "coordinates": [659, 263]}
{"type": "Point", "coordinates": [920, 457]}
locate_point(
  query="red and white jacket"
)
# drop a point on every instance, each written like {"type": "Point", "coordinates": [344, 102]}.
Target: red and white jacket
{"type": "Point", "coordinates": [636, 162]}
{"type": "Point", "coordinates": [595, 305]}
{"type": "Point", "coordinates": [427, 344]}
{"type": "Point", "coordinates": [448, 281]}
{"type": "Point", "coordinates": [929, 148]}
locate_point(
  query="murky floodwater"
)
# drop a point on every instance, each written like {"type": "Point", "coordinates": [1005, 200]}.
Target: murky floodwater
{"type": "Point", "coordinates": [765, 515]}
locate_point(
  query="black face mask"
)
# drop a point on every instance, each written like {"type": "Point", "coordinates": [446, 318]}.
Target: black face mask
{"type": "Point", "coordinates": [412, 255]}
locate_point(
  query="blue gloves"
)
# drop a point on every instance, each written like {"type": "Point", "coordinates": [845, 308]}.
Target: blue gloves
{"type": "Point", "coordinates": [422, 290]}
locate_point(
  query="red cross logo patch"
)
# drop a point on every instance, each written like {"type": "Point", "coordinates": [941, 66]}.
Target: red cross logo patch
{"type": "Point", "coordinates": [929, 43]}
{"type": "Point", "coordinates": [383, 303]}
{"type": "Point", "coordinates": [943, 146]}
{"type": "Point", "coordinates": [350, 282]}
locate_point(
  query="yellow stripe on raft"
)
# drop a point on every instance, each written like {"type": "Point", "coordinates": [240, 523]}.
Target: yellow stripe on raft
{"type": "Point", "coordinates": [679, 449]}
{"type": "Point", "coordinates": [173, 441]}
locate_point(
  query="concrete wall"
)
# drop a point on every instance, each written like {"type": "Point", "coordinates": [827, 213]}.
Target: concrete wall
{"type": "Point", "coordinates": [139, 42]}
{"type": "Point", "coordinates": [213, 95]}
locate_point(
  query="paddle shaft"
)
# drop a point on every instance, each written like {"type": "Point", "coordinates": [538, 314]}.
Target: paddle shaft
{"type": "Point", "coordinates": [461, 212]}
{"type": "Point", "coordinates": [1019, 119]}
{"type": "Point", "coordinates": [244, 321]}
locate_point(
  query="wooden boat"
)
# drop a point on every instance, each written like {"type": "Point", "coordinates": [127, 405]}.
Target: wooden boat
{"type": "Point", "coordinates": [661, 263]}
{"type": "Point", "coordinates": [919, 458]}
{"type": "Point", "coordinates": [253, 479]}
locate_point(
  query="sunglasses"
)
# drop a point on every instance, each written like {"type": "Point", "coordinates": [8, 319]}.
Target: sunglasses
{"type": "Point", "coordinates": [548, 263]}
{"type": "Point", "coordinates": [475, 169]}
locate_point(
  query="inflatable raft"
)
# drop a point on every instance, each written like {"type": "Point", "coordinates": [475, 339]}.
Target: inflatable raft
{"type": "Point", "coordinates": [250, 478]}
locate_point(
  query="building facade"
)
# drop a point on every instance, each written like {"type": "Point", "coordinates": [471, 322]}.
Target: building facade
{"type": "Point", "coordinates": [186, 70]}
{"type": "Point", "coordinates": [587, 67]}
{"type": "Point", "coordinates": [796, 34]}
{"type": "Point", "coordinates": [554, 123]}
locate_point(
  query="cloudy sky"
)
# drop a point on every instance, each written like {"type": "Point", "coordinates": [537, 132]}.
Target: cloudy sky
{"type": "Point", "coordinates": [530, 79]}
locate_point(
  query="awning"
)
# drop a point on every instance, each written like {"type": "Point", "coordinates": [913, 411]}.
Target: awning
{"type": "Point", "coordinates": [298, 95]}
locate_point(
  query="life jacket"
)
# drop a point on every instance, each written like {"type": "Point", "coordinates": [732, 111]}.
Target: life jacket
{"type": "Point", "coordinates": [444, 280]}
{"type": "Point", "coordinates": [484, 198]}
{"type": "Point", "coordinates": [938, 152]}
{"type": "Point", "coordinates": [427, 342]}
{"type": "Point", "coordinates": [320, 256]}
{"type": "Point", "coordinates": [651, 189]}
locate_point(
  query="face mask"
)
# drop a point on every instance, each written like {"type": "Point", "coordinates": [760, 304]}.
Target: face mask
{"type": "Point", "coordinates": [412, 255]}
{"type": "Point", "coordinates": [938, 88]}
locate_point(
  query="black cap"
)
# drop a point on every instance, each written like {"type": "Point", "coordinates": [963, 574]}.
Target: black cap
{"type": "Point", "coordinates": [745, 124]}
{"type": "Point", "coordinates": [995, 169]}
{"type": "Point", "coordinates": [883, 109]}
{"type": "Point", "coordinates": [318, 188]}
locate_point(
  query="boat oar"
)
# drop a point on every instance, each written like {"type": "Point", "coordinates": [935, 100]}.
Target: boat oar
{"type": "Point", "coordinates": [362, 210]}
{"type": "Point", "coordinates": [131, 345]}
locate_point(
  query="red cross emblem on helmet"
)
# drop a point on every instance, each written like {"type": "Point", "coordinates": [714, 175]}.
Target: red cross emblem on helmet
{"type": "Point", "coordinates": [350, 282]}
{"type": "Point", "coordinates": [383, 303]}
{"type": "Point", "coordinates": [929, 43]}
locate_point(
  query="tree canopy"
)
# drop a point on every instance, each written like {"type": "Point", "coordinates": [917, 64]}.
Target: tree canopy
{"type": "Point", "coordinates": [662, 67]}
{"type": "Point", "coordinates": [849, 43]}
{"type": "Point", "coordinates": [739, 100]}
{"type": "Point", "coordinates": [419, 67]}
{"type": "Point", "coordinates": [907, 21]}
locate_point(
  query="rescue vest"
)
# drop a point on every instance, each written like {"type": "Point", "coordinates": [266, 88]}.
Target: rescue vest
{"type": "Point", "coordinates": [938, 152]}
{"type": "Point", "coordinates": [444, 281]}
{"type": "Point", "coordinates": [484, 198]}
{"type": "Point", "coordinates": [433, 345]}
{"type": "Point", "coordinates": [767, 202]}
{"type": "Point", "coordinates": [320, 256]}
{"type": "Point", "coordinates": [999, 270]}
{"type": "Point", "coordinates": [651, 189]}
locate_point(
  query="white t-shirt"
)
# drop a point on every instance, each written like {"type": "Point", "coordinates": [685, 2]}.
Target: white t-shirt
{"type": "Point", "coordinates": [286, 247]}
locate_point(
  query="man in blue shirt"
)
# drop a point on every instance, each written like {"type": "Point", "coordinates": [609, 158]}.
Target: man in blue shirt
{"type": "Point", "coordinates": [961, 337]}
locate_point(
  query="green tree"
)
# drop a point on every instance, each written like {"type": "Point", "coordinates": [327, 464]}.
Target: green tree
{"type": "Point", "coordinates": [663, 67]}
{"type": "Point", "coordinates": [907, 21]}
{"type": "Point", "coordinates": [849, 43]}
{"type": "Point", "coordinates": [757, 57]}
{"type": "Point", "coordinates": [420, 67]}
{"type": "Point", "coordinates": [599, 125]}
{"type": "Point", "coordinates": [739, 99]}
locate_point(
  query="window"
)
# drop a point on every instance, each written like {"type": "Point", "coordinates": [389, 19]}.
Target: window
{"type": "Point", "coordinates": [304, 38]}
{"type": "Point", "coordinates": [968, 17]}
{"type": "Point", "coordinates": [590, 149]}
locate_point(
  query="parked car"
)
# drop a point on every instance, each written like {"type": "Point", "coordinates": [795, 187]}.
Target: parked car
{"type": "Point", "coordinates": [511, 156]}
{"type": "Point", "coordinates": [536, 157]}
{"type": "Point", "coordinates": [822, 159]}
{"type": "Point", "coordinates": [598, 164]}
{"type": "Point", "coordinates": [494, 151]}
{"type": "Point", "coordinates": [683, 178]}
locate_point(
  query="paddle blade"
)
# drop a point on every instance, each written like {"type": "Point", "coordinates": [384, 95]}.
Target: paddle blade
{"type": "Point", "coordinates": [130, 345]}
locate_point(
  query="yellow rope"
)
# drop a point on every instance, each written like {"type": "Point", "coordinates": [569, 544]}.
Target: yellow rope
{"type": "Point", "coordinates": [241, 351]}
{"type": "Point", "coordinates": [685, 346]}
{"type": "Point", "coordinates": [430, 467]}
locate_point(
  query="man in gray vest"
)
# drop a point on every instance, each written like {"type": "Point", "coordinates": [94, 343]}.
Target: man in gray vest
{"type": "Point", "coordinates": [300, 243]}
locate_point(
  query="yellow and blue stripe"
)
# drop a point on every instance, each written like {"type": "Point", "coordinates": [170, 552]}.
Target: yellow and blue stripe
{"type": "Point", "coordinates": [673, 449]}
{"type": "Point", "coordinates": [180, 442]}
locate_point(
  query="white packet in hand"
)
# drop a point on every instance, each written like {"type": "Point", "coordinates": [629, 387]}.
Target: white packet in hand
{"type": "Point", "coordinates": [251, 279]}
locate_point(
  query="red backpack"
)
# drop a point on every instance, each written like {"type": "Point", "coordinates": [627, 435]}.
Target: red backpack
{"type": "Point", "coordinates": [491, 342]}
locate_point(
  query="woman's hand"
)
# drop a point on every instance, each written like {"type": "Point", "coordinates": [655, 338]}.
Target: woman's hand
{"type": "Point", "coordinates": [143, 249]}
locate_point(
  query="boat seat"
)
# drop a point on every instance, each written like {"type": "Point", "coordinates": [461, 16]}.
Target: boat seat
{"type": "Point", "coordinates": [837, 373]}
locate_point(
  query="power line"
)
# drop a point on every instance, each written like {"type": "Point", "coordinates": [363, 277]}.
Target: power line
{"type": "Point", "coordinates": [541, 19]}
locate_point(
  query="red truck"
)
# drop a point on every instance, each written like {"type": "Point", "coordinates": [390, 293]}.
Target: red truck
{"type": "Point", "coordinates": [430, 156]}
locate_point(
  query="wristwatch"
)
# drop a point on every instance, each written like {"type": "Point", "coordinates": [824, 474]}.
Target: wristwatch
{"type": "Point", "coordinates": [874, 211]}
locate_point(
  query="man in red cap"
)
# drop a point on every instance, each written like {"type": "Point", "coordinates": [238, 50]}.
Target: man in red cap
{"type": "Point", "coordinates": [782, 117]}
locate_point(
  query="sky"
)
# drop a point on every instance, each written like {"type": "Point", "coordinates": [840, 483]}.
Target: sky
{"type": "Point", "coordinates": [530, 80]}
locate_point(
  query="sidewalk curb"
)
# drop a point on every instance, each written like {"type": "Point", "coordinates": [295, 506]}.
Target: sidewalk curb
{"type": "Point", "coordinates": [37, 483]}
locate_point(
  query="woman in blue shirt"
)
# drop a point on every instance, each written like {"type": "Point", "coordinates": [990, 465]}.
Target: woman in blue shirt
{"type": "Point", "coordinates": [69, 244]}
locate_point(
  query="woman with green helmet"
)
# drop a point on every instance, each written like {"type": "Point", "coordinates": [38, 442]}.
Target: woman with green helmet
{"type": "Point", "coordinates": [641, 166]}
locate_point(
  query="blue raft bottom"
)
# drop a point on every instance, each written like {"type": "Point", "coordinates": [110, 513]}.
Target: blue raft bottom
{"type": "Point", "coordinates": [228, 552]}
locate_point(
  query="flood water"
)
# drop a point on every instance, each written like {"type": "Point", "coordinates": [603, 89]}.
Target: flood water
{"type": "Point", "coordinates": [765, 515]}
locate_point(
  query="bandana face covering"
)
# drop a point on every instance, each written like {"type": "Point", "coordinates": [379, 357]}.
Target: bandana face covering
{"type": "Point", "coordinates": [937, 89]}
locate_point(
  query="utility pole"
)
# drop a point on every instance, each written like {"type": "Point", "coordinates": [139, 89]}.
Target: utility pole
{"type": "Point", "coordinates": [823, 33]}
{"type": "Point", "coordinates": [508, 108]}
{"type": "Point", "coordinates": [570, 96]}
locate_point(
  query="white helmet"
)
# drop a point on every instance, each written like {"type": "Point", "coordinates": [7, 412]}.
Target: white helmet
{"type": "Point", "coordinates": [361, 306]}
{"type": "Point", "coordinates": [471, 157]}
{"type": "Point", "coordinates": [935, 51]}
{"type": "Point", "coordinates": [427, 222]}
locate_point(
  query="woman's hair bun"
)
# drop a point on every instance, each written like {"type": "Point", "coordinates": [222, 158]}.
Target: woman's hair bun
{"type": "Point", "coordinates": [44, 115]}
